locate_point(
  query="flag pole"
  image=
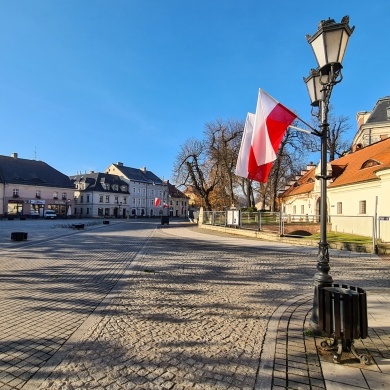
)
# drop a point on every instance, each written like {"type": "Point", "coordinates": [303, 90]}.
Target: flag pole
{"type": "Point", "coordinates": [314, 131]}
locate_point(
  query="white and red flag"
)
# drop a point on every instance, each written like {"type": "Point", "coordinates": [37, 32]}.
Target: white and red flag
{"type": "Point", "coordinates": [269, 125]}
{"type": "Point", "coordinates": [243, 154]}
{"type": "Point", "coordinates": [157, 202]}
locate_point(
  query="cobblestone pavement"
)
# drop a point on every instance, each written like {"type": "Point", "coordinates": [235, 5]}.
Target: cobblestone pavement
{"type": "Point", "coordinates": [188, 310]}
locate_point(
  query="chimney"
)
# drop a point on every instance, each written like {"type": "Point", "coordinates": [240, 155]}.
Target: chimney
{"type": "Point", "coordinates": [120, 164]}
{"type": "Point", "coordinates": [143, 169]}
{"type": "Point", "coordinates": [14, 155]}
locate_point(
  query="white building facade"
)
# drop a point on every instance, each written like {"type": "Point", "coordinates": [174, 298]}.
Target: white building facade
{"type": "Point", "coordinates": [144, 189]}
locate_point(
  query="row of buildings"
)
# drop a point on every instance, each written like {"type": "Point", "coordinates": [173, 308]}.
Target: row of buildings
{"type": "Point", "coordinates": [30, 187]}
{"type": "Point", "coordinates": [359, 188]}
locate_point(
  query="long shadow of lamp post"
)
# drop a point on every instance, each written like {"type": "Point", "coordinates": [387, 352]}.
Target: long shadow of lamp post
{"type": "Point", "coordinates": [329, 44]}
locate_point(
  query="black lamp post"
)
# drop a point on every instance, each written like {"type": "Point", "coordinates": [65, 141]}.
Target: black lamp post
{"type": "Point", "coordinates": [329, 44]}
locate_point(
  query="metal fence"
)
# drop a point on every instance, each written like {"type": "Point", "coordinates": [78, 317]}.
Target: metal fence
{"type": "Point", "coordinates": [298, 225]}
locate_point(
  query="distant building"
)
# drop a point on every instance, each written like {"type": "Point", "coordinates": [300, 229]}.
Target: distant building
{"type": "Point", "coordinates": [357, 193]}
{"type": "Point", "coordinates": [144, 188]}
{"type": "Point", "coordinates": [194, 199]}
{"type": "Point", "coordinates": [178, 202]}
{"type": "Point", "coordinates": [30, 187]}
{"type": "Point", "coordinates": [373, 126]}
{"type": "Point", "coordinates": [101, 195]}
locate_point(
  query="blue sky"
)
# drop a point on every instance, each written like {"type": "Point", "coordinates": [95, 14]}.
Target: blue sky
{"type": "Point", "coordinates": [87, 83]}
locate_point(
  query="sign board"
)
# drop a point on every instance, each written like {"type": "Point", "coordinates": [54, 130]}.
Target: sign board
{"type": "Point", "coordinates": [233, 217]}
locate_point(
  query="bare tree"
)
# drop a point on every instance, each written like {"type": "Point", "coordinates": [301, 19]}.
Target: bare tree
{"type": "Point", "coordinates": [338, 143]}
{"type": "Point", "coordinates": [193, 167]}
{"type": "Point", "coordinates": [223, 139]}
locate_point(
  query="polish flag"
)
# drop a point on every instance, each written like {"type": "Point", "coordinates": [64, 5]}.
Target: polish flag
{"type": "Point", "coordinates": [157, 202]}
{"type": "Point", "coordinates": [269, 126]}
{"type": "Point", "coordinates": [242, 161]}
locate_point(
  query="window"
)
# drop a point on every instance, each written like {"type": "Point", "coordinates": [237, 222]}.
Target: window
{"type": "Point", "coordinates": [107, 212]}
{"type": "Point", "coordinates": [116, 199]}
{"type": "Point", "coordinates": [133, 190]}
{"type": "Point", "coordinates": [152, 202]}
{"type": "Point", "coordinates": [100, 212]}
{"type": "Point", "coordinates": [87, 198]}
{"type": "Point", "coordinates": [101, 200]}
{"type": "Point", "coordinates": [55, 195]}
{"type": "Point", "coordinates": [339, 207]}
{"type": "Point", "coordinates": [133, 201]}
{"type": "Point", "coordinates": [87, 210]}
{"type": "Point", "coordinates": [369, 163]}
{"type": "Point", "coordinates": [63, 195]}
{"type": "Point", "coordinates": [143, 191]}
{"type": "Point", "coordinates": [107, 198]}
{"type": "Point", "coordinates": [124, 200]}
{"type": "Point", "coordinates": [82, 199]}
{"type": "Point", "coordinates": [38, 194]}
{"type": "Point", "coordinates": [15, 192]}
{"type": "Point", "coordinates": [362, 207]}
{"type": "Point", "coordinates": [302, 209]}
{"type": "Point", "coordinates": [294, 209]}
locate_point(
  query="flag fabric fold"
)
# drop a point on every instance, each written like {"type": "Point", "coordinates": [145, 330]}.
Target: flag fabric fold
{"type": "Point", "coordinates": [157, 202]}
{"type": "Point", "coordinates": [243, 154]}
{"type": "Point", "coordinates": [269, 125]}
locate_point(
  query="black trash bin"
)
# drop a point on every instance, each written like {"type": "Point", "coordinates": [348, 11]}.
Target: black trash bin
{"type": "Point", "coordinates": [165, 219]}
{"type": "Point", "coordinates": [343, 318]}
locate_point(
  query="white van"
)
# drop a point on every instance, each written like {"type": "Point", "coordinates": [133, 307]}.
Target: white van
{"type": "Point", "coordinates": [49, 214]}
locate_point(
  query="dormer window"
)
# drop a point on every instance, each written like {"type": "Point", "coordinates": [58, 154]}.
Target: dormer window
{"type": "Point", "coordinates": [311, 180]}
{"type": "Point", "coordinates": [369, 163]}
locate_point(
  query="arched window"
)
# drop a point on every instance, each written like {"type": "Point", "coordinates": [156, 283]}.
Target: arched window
{"type": "Point", "coordinates": [369, 163]}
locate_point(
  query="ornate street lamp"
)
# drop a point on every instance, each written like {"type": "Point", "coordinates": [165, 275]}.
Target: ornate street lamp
{"type": "Point", "coordinates": [329, 44]}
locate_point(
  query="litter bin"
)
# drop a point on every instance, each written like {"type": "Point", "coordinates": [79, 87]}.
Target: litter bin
{"type": "Point", "coordinates": [18, 236]}
{"type": "Point", "coordinates": [165, 219]}
{"type": "Point", "coordinates": [343, 318]}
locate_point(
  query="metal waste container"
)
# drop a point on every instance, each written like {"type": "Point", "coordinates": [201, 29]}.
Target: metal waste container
{"type": "Point", "coordinates": [165, 219]}
{"type": "Point", "coordinates": [343, 318]}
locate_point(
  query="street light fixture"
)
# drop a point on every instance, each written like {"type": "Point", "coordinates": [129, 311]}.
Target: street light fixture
{"type": "Point", "coordinates": [329, 44]}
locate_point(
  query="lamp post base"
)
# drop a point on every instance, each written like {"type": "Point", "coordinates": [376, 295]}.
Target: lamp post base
{"type": "Point", "coordinates": [321, 279]}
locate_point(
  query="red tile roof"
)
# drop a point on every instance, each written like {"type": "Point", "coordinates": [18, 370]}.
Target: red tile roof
{"type": "Point", "coordinates": [348, 169]}
{"type": "Point", "coordinates": [353, 162]}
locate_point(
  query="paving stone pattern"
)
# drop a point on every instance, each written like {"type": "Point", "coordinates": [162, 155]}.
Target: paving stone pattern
{"type": "Point", "coordinates": [48, 290]}
{"type": "Point", "coordinates": [191, 311]}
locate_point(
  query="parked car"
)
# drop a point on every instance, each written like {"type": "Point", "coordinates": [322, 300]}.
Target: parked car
{"type": "Point", "coordinates": [49, 214]}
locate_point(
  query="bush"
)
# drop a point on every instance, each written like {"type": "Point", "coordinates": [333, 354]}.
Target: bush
{"type": "Point", "coordinates": [249, 209]}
